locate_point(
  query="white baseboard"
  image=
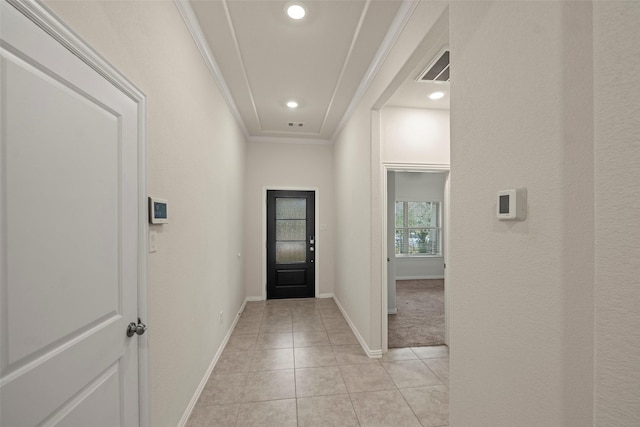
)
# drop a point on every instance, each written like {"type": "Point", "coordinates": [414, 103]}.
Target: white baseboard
{"type": "Point", "coordinates": [254, 299]}
{"type": "Point", "coordinates": [418, 277]}
{"type": "Point", "coordinates": [374, 354]}
{"type": "Point", "coordinates": [207, 374]}
{"type": "Point", "coordinates": [392, 311]}
{"type": "Point", "coordinates": [327, 295]}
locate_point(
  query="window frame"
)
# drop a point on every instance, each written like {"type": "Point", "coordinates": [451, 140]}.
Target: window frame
{"type": "Point", "coordinates": [406, 229]}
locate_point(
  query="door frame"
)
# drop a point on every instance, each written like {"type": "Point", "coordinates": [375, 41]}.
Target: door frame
{"type": "Point", "coordinates": [45, 18]}
{"type": "Point", "coordinates": [414, 167]}
{"type": "Point", "coordinates": [316, 192]}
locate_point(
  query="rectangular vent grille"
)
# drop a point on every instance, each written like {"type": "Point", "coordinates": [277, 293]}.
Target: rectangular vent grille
{"type": "Point", "coordinates": [438, 71]}
{"type": "Point", "coordinates": [295, 124]}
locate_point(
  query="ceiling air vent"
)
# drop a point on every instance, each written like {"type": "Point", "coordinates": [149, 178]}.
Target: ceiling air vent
{"type": "Point", "coordinates": [295, 124]}
{"type": "Point", "coordinates": [438, 70]}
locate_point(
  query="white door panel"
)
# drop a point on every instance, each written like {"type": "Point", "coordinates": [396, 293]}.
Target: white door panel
{"type": "Point", "coordinates": [71, 235]}
{"type": "Point", "coordinates": [69, 228]}
{"type": "Point", "coordinates": [97, 406]}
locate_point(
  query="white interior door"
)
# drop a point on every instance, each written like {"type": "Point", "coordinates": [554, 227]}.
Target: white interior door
{"type": "Point", "coordinates": [69, 229]}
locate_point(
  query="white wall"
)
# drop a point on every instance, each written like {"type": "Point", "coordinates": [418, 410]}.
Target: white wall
{"type": "Point", "coordinates": [359, 192]}
{"type": "Point", "coordinates": [521, 116]}
{"type": "Point", "coordinates": [282, 165]}
{"type": "Point", "coordinates": [196, 161]}
{"type": "Point", "coordinates": [617, 212]}
{"type": "Point", "coordinates": [420, 186]}
{"type": "Point", "coordinates": [413, 135]}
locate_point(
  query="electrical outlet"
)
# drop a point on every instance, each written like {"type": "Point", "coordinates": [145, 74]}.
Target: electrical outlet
{"type": "Point", "coordinates": [221, 316]}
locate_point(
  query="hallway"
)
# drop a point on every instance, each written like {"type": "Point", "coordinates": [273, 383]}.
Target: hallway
{"type": "Point", "coordinates": [296, 362]}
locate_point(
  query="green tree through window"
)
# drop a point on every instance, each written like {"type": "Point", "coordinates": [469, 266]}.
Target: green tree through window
{"type": "Point", "coordinates": [417, 228]}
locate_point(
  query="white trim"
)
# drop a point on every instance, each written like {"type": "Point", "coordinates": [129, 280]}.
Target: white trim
{"type": "Point", "coordinates": [354, 39]}
{"type": "Point", "coordinates": [392, 311]}
{"type": "Point", "coordinates": [245, 77]}
{"type": "Point", "coordinates": [419, 277]}
{"type": "Point", "coordinates": [196, 395]}
{"type": "Point", "coordinates": [288, 140]}
{"type": "Point", "coordinates": [416, 167]}
{"type": "Point", "coordinates": [194, 28]}
{"type": "Point", "coordinates": [447, 232]}
{"type": "Point", "coordinates": [316, 191]}
{"type": "Point", "coordinates": [399, 22]}
{"type": "Point", "coordinates": [418, 256]}
{"type": "Point", "coordinates": [40, 14]}
{"type": "Point", "coordinates": [326, 295]}
{"type": "Point", "coordinates": [374, 354]}
{"type": "Point", "coordinates": [403, 167]}
{"type": "Point", "coordinates": [254, 298]}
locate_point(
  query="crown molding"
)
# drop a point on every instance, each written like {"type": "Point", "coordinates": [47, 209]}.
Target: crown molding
{"type": "Point", "coordinates": [288, 140]}
{"type": "Point", "coordinates": [345, 64]}
{"type": "Point", "coordinates": [399, 22]}
{"type": "Point", "coordinates": [194, 28]}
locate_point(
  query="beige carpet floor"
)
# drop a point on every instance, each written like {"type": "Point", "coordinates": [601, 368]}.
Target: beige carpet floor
{"type": "Point", "coordinates": [420, 318]}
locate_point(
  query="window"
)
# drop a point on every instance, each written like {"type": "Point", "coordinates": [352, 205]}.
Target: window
{"type": "Point", "coordinates": [418, 228]}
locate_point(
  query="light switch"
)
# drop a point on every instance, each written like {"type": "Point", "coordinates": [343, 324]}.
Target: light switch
{"type": "Point", "coordinates": [153, 241]}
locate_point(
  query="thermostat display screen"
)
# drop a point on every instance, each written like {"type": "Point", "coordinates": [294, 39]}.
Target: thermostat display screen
{"type": "Point", "coordinates": [504, 204]}
{"type": "Point", "coordinates": [160, 210]}
{"type": "Point", "coordinates": [158, 213]}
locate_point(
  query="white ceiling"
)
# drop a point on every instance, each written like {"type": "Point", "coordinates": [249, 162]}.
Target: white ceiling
{"type": "Point", "coordinates": [414, 93]}
{"type": "Point", "coordinates": [263, 59]}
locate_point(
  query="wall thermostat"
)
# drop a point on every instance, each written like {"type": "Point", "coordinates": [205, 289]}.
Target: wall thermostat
{"type": "Point", "coordinates": [158, 211]}
{"type": "Point", "coordinates": [512, 204]}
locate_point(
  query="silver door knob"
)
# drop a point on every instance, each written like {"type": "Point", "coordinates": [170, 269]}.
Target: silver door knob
{"type": "Point", "coordinates": [133, 328]}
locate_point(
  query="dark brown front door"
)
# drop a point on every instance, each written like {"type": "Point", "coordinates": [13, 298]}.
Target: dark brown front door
{"type": "Point", "coordinates": [290, 244]}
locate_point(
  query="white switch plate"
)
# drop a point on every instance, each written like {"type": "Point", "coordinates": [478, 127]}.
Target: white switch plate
{"type": "Point", "coordinates": [153, 241]}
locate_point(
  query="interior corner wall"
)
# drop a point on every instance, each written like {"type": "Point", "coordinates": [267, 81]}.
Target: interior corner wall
{"type": "Point", "coordinates": [526, 284]}
{"type": "Point", "coordinates": [617, 201]}
{"type": "Point", "coordinates": [352, 184]}
{"type": "Point", "coordinates": [287, 166]}
{"type": "Point", "coordinates": [196, 155]}
{"type": "Point", "coordinates": [357, 184]}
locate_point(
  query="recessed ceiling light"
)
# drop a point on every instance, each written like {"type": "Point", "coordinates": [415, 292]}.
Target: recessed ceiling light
{"type": "Point", "coordinates": [295, 10]}
{"type": "Point", "coordinates": [436, 95]}
{"type": "Point", "coordinates": [292, 104]}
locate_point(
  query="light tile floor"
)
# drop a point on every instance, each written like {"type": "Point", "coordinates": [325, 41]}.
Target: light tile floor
{"type": "Point", "coordinates": [295, 362]}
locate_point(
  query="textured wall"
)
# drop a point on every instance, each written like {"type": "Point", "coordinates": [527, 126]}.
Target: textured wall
{"type": "Point", "coordinates": [353, 222]}
{"type": "Point", "coordinates": [521, 292]}
{"type": "Point", "coordinates": [196, 161]}
{"type": "Point", "coordinates": [413, 135]}
{"type": "Point", "coordinates": [617, 201]}
{"type": "Point", "coordinates": [287, 166]}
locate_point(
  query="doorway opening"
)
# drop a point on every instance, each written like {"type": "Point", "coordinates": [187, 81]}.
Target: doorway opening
{"type": "Point", "coordinates": [411, 130]}
{"type": "Point", "coordinates": [415, 258]}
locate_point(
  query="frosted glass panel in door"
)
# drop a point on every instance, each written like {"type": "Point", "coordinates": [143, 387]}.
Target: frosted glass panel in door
{"type": "Point", "coordinates": [291, 230]}
{"type": "Point", "coordinates": [291, 208]}
{"type": "Point", "coordinates": [291, 252]}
